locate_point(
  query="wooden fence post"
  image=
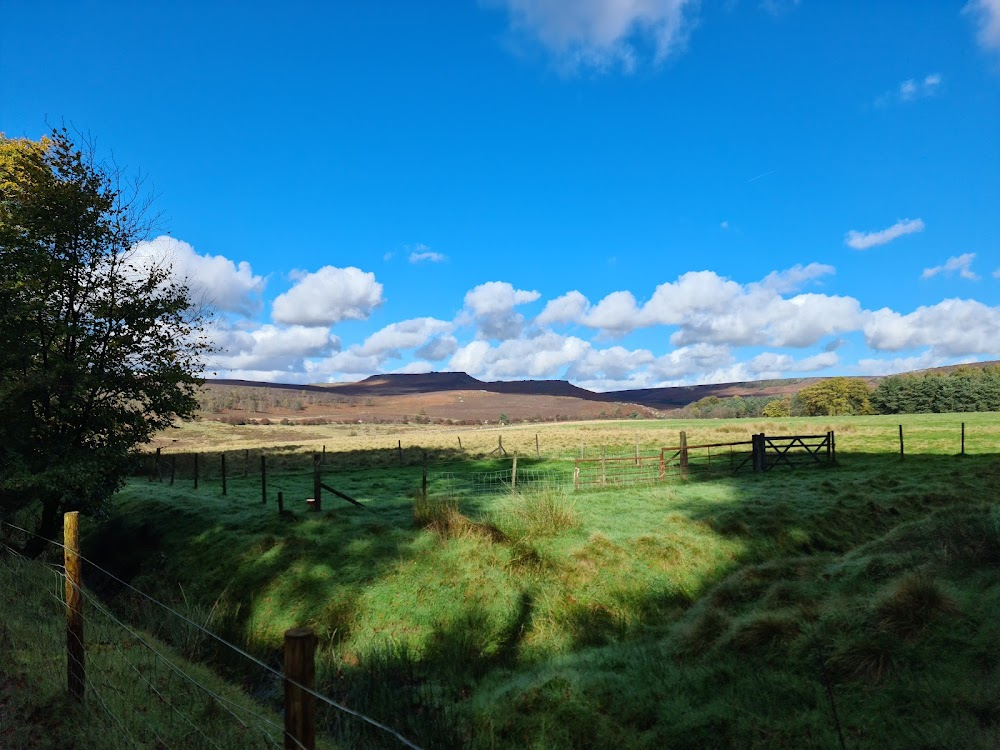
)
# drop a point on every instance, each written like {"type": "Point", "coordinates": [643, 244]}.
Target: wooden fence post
{"type": "Point", "coordinates": [263, 481]}
{"type": "Point", "coordinates": [460, 442]}
{"type": "Point", "coordinates": [759, 457]}
{"type": "Point", "coordinates": [317, 484]}
{"type": "Point", "coordinates": [156, 467]}
{"type": "Point", "coordinates": [281, 503]}
{"type": "Point", "coordinates": [75, 669]}
{"type": "Point", "coordinates": [538, 452]}
{"type": "Point", "coordinates": [604, 470]}
{"type": "Point", "coordinates": [423, 480]}
{"type": "Point", "coordinates": [173, 467]}
{"type": "Point", "coordinates": [399, 447]}
{"type": "Point", "coordinates": [963, 438]}
{"type": "Point", "coordinates": [684, 454]}
{"type": "Point", "coordinates": [223, 473]}
{"type": "Point", "coordinates": [300, 680]}
{"type": "Point", "coordinates": [901, 442]}
{"type": "Point", "coordinates": [513, 475]}
{"type": "Point", "coordinates": [246, 462]}
{"type": "Point", "coordinates": [324, 455]}
{"type": "Point", "coordinates": [196, 471]}
{"type": "Point", "coordinates": [829, 447]}
{"type": "Point", "coordinates": [833, 445]}
{"type": "Point", "coordinates": [663, 464]}
{"type": "Point", "coordinates": [576, 477]}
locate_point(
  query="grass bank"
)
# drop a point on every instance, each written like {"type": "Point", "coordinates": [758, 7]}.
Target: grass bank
{"type": "Point", "coordinates": [781, 610]}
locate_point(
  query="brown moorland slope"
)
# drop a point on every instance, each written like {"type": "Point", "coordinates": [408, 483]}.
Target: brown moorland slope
{"type": "Point", "coordinates": [459, 397]}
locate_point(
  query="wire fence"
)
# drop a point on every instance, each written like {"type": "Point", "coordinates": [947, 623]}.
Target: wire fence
{"type": "Point", "coordinates": [155, 674]}
{"type": "Point", "coordinates": [616, 471]}
{"type": "Point", "coordinates": [526, 480]}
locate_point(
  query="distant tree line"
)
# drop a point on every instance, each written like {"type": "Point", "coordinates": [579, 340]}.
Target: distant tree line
{"type": "Point", "coordinates": [963, 389]}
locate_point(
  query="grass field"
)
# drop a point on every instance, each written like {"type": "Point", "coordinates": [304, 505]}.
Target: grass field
{"type": "Point", "coordinates": [924, 433]}
{"type": "Point", "coordinates": [790, 609]}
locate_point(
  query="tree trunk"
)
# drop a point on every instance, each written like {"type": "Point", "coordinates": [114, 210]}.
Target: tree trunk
{"type": "Point", "coordinates": [48, 528]}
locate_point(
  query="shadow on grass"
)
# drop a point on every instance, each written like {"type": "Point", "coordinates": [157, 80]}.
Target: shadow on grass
{"type": "Point", "coordinates": [315, 568]}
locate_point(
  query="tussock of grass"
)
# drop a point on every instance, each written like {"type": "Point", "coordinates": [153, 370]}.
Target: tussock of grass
{"type": "Point", "coordinates": [537, 515]}
{"type": "Point", "coordinates": [763, 631]}
{"type": "Point", "coordinates": [702, 631]}
{"type": "Point", "coordinates": [912, 603]}
{"type": "Point", "coordinates": [442, 516]}
{"type": "Point", "coordinates": [870, 657]}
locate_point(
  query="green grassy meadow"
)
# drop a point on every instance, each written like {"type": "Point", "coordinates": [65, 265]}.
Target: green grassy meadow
{"type": "Point", "coordinates": [853, 605]}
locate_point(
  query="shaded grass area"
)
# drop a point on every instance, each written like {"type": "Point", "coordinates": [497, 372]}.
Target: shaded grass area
{"type": "Point", "coordinates": [738, 612]}
{"type": "Point", "coordinates": [139, 692]}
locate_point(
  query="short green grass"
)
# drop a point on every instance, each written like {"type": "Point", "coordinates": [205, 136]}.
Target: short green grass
{"type": "Point", "coordinates": [735, 612]}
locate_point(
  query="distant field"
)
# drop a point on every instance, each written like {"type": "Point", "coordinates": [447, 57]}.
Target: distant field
{"type": "Point", "coordinates": [923, 433]}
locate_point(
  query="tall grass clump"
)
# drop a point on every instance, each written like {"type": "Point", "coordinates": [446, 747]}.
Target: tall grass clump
{"type": "Point", "coordinates": [911, 603]}
{"type": "Point", "coordinates": [442, 516]}
{"type": "Point", "coordinates": [537, 515]}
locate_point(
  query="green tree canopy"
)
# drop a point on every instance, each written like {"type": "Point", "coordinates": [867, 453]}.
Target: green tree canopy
{"type": "Point", "coordinates": [97, 350]}
{"type": "Point", "coordinates": [835, 397]}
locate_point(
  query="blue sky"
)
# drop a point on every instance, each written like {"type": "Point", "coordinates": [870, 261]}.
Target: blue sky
{"type": "Point", "coordinates": [624, 193]}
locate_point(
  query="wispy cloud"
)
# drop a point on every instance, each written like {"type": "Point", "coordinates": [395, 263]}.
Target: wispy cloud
{"type": "Point", "coordinates": [960, 264]}
{"type": "Point", "coordinates": [864, 240]}
{"type": "Point", "coordinates": [602, 34]}
{"type": "Point", "coordinates": [427, 255]}
{"type": "Point", "coordinates": [421, 254]}
{"type": "Point", "coordinates": [987, 13]}
{"type": "Point", "coordinates": [911, 89]}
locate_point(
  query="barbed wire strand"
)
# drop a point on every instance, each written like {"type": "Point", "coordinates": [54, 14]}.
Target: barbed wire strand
{"type": "Point", "coordinates": [319, 696]}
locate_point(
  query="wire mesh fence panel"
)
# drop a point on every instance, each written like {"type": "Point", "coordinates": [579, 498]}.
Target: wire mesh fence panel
{"type": "Point", "coordinates": [617, 472]}
{"type": "Point", "coordinates": [32, 613]}
{"type": "Point", "coordinates": [527, 480]}
{"type": "Point", "coordinates": [154, 675]}
{"type": "Point", "coordinates": [157, 700]}
{"type": "Point", "coordinates": [717, 459]}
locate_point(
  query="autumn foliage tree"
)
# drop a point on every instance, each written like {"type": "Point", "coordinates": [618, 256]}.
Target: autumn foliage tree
{"type": "Point", "coordinates": [835, 397]}
{"type": "Point", "coordinates": [97, 350]}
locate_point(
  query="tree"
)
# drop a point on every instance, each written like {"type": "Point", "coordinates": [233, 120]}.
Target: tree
{"type": "Point", "coordinates": [835, 397]}
{"type": "Point", "coordinates": [779, 407]}
{"type": "Point", "coordinates": [98, 349]}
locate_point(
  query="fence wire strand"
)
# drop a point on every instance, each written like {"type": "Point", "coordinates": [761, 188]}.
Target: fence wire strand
{"type": "Point", "coordinates": [218, 700]}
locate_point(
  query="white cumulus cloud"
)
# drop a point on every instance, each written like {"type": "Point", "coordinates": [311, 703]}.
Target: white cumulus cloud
{"type": "Point", "coordinates": [492, 307]}
{"type": "Point", "coordinates": [540, 356]}
{"type": "Point", "coordinates": [773, 365]}
{"type": "Point", "coordinates": [328, 296]}
{"type": "Point", "coordinates": [407, 334]}
{"type": "Point", "coordinates": [708, 308]}
{"type": "Point", "coordinates": [269, 347]}
{"type": "Point", "coordinates": [213, 280]}
{"type": "Point", "coordinates": [570, 308]}
{"type": "Point", "coordinates": [952, 327]}
{"type": "Point", "coordinates": [864, 240]}
{"type": "Point", "coordinates": [439, 348]}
